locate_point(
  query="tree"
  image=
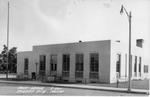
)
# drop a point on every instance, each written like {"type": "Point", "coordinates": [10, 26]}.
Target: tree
{"type": "Point", "coordinates": [12, 54]}
{"type": "Point", "coordinates": [1, 61]}
{"type": "Point", "coordinates": [12, 60]}
{"type": "Point", "coordinates": [3, 58]}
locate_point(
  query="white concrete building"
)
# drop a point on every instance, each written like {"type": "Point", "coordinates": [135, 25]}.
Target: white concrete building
{"type": "Point", "coordinates": [95, 61]}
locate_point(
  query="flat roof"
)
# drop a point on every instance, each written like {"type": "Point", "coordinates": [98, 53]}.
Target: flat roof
{"type": "Point", "coordinates": [72, 43]}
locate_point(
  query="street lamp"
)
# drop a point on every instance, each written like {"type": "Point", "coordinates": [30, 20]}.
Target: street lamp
{"type": "Point", "coordinates": [129, 19]}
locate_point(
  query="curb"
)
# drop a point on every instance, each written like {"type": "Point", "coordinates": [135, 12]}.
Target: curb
{"type": "Point", "coordinates": [123, 90]}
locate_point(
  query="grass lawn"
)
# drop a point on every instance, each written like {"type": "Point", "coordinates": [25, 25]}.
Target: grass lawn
{"type": "Point", "coordinates": [135, 84]}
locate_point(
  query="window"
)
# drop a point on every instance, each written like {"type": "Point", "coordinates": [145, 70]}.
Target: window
{"type": "Point", "coordinates": [140, 60]}
{"type": "Point", "coordinates": [66, 65]}
{"type": "Point", "coordinates": [26, 64]}
{"type": "Point", "coordinates": [118, 63]}
{"type": "Point", "coordinates": [145, 68]}
{"type": "Point", "coordinates": [135, 66]}
{"type": "Point", "coordinates": [94, 65]}
{"type": "Point", "coordinates": [53, 62]}
{"type": "Point", "coordinates": [79, 62]}
{"type": "Point", "coordinates": [42, 64]}
{"type": "Point", "coordinates": [79, 66]}
{"type": "Point", "coordinates": [139, 43]}
{"type": "Point", "coordinates": [66, 62]}
{"type": "Point", "coordinates": [94, 62]}
{"type": "Point", "coordinates": [125, 65]}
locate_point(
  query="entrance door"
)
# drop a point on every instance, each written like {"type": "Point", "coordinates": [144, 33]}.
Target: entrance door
{"type": "Point", "coordinates": [53, 65]}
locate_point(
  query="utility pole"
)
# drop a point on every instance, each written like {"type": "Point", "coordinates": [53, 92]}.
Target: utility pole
{"type": "Point", "coordinates": [130, 65]}
{"type": "Point", "coordinates": [7, 42]}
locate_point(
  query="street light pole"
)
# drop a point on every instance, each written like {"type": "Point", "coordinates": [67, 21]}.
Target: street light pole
{"type": "Point", "coordinates": [7, 42]}
{"type": "Point", "coordinates": [130, 65]}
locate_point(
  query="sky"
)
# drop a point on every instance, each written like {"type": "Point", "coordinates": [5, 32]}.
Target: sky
{"type": "Point", "coordinates": [38, 22]}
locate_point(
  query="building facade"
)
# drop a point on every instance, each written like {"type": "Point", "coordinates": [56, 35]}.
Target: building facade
{"type": "Point", "coordinates": [96, 61]}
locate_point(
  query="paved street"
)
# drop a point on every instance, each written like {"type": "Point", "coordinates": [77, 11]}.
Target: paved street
{"type": "Point", "coordinates": [16, 89]}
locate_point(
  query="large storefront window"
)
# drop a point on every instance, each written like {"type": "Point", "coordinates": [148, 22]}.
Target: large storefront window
{"type": "Point", "coordinates": [94, 65]}
{"type": "Point", "coordinates": [42, 64]}
{"type": "Point", "coordinates": [79, 66]}
{"type": "Point", "coordinates": [66, 65]}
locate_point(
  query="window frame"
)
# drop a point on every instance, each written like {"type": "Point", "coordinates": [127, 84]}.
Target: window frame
{"type": "Point", "coordinates": [42, 64]}
{"type": "Point", "coordinates": [66, 62]}
{"type": "Point", "coordinates": [118, 63]}
{"type": "Point", "coordinates": [94, 62]}
{"type": "Point", "coordinates": [79, 62]}
{"type": "Point", "coordinates": [140, 63]}
{"type": "Point", "coordinates": [135, 64]}
{"type": "Point", "coordinates": [26, 63]}
{"type": "Point", "coordinates": [26, 66]}
{"type": "Point", "coordinates": [146, 67]}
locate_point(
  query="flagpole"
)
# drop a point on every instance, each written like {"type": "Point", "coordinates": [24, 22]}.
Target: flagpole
{"type": "Point", "coordinates": [7, 42]}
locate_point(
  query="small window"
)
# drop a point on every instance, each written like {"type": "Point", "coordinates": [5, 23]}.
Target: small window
{"type": "Point", "coordinates": [139, 43]}
{"type": "Point", "coordinates": [145, 68]}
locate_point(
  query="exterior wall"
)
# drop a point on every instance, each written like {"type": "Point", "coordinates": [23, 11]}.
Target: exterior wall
{"type": "Point", "coordinates": [101, 47]}
{"type": "Point", "coordinates": [121, 48]}
{"type": "Point", "coordinates": [118, 48]}
{"type": "Point", "coordinates": [20, 62]}
{"type": "Point", "coordinates": [137, 51]}
{"type": "Point", "coordinates": [104, 68]}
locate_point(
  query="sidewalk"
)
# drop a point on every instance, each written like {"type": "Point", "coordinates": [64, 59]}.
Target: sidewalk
{"type": "Point", "coordinates": [77, 86]}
